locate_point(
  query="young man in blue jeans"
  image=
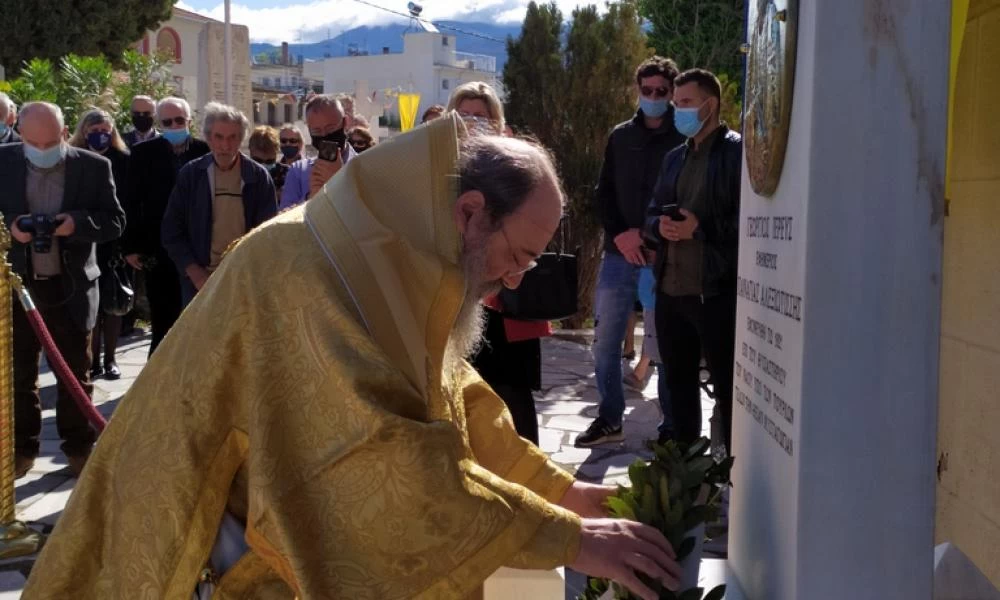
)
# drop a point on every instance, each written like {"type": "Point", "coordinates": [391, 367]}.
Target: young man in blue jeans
{"type": "Point", "coordinates": [632, 162]}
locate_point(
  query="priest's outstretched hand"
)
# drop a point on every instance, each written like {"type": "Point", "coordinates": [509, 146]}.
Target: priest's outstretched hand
{"type": "Point", "coordinates": [617, 549]}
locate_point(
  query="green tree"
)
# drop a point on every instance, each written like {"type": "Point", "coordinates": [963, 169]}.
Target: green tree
{"type": "Point", "coordinates": [698, 33]}
{"type": "Point", "coordinates": [79, 83]}
{"type": "Point", "coordinates": [534, 73]}
{"type": "Point", "coordinates": [143, 75]}
{"type": "Point", "coordinates": [84, 82]}
{"type": "Point", "coordinates": [570, 94]}
{"type": "Point", "coordinates": [51, 29]}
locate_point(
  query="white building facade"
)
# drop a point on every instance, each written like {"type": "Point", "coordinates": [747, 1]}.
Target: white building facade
{"type": "Point", "coordinates": [429, 65]}
{"type": "Point", "coordinates": [196, 43]}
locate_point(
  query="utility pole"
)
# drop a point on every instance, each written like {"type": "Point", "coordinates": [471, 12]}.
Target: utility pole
{"type": "Point", "coordinates": [227, 60]}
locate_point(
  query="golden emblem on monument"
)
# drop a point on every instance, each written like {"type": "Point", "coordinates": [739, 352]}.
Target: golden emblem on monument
{"type": "Point", "coordinates": [771, 29]}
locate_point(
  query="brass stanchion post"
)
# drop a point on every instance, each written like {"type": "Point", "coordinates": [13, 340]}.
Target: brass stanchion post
{"type": "Point", "coordinates": [16, 538]}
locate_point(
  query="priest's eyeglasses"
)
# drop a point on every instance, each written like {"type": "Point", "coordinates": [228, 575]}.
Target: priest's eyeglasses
{"type": "Point", "coordinates": [521, 266]}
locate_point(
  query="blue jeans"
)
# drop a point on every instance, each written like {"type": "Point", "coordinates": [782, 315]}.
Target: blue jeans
{"type": "Point", "coordinates": [617, 292]}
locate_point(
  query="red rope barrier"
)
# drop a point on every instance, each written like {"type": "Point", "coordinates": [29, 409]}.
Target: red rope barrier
{"type": "Point", "coordinates": [58, 363]}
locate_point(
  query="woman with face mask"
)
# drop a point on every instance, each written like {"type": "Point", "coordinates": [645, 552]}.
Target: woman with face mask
{"type": "Point", "coordinates": [265, 148]}
{"type": "Point", "coordinates": [97, 132]}
{"type": "Point", "coordinates": [510, 360]}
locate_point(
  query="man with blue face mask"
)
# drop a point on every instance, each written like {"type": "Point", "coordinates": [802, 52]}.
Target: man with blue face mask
{"type": "Point", "coordinates": [8, 115]}
{"type": "Point", "coordinates": [632, 161]}
{"type": "Point", "coordinates": [58, 202]}
{"type": "Point", "coordinates": [694, 220]}
{"type": "Point", "coordinates": [153, 170]}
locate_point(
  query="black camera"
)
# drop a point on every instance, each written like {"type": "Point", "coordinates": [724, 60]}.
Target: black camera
{"type": "Point", "coordinates": [41, 228]}
{"type": "Point", "coordinates": [672, 212]}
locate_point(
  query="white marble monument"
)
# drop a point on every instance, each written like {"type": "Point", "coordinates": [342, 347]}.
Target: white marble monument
{"type": "Point", "coordinates": [839, 299]}
{"type": "Point", "coordinates": [212, 77]}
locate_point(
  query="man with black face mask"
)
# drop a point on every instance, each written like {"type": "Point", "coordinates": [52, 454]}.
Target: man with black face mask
{"type": "Point", "coordinates": [143, 111]}
{"type": "Point", "coordinates": [325, 119]}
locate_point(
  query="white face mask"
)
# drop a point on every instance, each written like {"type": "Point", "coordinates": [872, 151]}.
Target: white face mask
{"type": "Point", "coordinates": [45, 159]}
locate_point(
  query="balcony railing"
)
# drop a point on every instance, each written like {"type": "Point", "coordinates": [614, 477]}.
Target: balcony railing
{"type": "Point", "coordinates": [475, 62]}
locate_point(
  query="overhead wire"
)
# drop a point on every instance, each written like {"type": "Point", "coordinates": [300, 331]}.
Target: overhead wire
{"type": "Point", "coordinates": [439, 25]}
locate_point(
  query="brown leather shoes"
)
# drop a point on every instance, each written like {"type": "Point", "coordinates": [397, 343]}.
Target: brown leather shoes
{"type": "Point", "coordinates": [22, 464]}
{"type": "Point", "coordinates": [77, 463]}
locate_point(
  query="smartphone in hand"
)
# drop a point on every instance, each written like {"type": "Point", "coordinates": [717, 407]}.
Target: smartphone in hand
{"type": "Point", "coordinates": [329, 150]}
{"type": "Point", "coordinates": [672, 212]}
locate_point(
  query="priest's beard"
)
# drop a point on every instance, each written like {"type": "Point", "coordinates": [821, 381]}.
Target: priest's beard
{"type": "Point", "coordinates": [467, 335]}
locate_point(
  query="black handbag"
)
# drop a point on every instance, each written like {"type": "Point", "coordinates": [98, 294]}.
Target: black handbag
{"type": "Point", "coordinates": [547, 293]}
{"type": "Point", "coordinates": [117, 296]}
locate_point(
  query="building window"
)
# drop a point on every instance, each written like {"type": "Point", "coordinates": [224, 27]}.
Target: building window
{"type": "Point", "coordinates": [444, 40]}
{"type": "Point", "coordinates": [169, 42]}
{"type": "Point", "coordinates": [295, 81]}
{"type": "Point", "coordinates": [288, 113]}
{"type": "Point", "coordinates": [445, 84]}
{"type": "Point", "coordinates": [267, 82]}
{"type": "Point", "coordinates": [277, 82]}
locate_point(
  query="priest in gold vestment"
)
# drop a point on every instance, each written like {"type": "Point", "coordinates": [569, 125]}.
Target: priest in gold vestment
{"type": "Point", "coordinates": [313, 399]}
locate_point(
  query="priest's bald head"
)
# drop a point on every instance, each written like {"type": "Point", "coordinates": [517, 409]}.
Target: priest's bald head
{"type": "Point", "coordinates": [509, 205]}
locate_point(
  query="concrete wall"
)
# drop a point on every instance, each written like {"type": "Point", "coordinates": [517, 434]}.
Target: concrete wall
{"type": "Point", "coordinates": [968, 512]}
{"type": "Point", "coordinates": [186, 71]}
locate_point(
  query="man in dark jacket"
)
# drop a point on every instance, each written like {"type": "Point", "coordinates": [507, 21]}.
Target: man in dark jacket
{"type": "Point", "coordinates": [632, 161]}
{"type": "Point", "coordinates": [696, 264]}
{"type": "Point", "coordinates": [51, 182]}
{"type": "Point", "coordinates": [218, 198]}
{"type": "Point", "coordinates": [153, 171]}
{"type": "Point", "coordinates": [8, 116]}
{"type": "Point", "coordinates": [143, 121]}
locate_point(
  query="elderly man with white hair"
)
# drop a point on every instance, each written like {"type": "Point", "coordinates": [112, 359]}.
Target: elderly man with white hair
{"type": "Point", "coordinates": [143, 110]}
{"type": "Point", "coordinates": [153, 170]}
{"type": "Point", "coordinates": [8, 116]}
{"type": "Point", "coordinates": [218, 198]}
{"type": "Point", "coordinates": [58, 202]}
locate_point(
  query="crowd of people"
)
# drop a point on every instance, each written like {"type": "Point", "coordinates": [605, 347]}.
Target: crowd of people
{"type": "Point", "coordinates": [164, 206]}
{"type": "Point", "coordinates": [333, 434]}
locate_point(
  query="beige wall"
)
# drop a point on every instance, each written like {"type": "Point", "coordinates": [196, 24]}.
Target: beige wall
{"type": "Point", "coordinates": [969, 424]}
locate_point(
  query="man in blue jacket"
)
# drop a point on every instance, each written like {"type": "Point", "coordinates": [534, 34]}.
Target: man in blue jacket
{"type": "Point", "coordinates": [218, 198]}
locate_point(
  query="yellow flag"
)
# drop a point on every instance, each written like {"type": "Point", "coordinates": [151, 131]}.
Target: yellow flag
{"type": "Point", "coordinates": [959, 15]}
{"type": "Point", "coordinates": [408, 104]}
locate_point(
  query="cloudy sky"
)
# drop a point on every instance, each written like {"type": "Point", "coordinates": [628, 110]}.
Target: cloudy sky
{"type": "Point", "coordinates": [293, 20]}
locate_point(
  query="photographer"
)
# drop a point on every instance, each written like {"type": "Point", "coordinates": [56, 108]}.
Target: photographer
{"type": "Point", "coordinates": [326, 119]}
{"type": "Point", "coordinates": [59, 202]}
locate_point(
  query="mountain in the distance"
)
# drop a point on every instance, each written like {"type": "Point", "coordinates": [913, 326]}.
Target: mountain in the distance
{"type": "Point", "coordinates": [373, 39]}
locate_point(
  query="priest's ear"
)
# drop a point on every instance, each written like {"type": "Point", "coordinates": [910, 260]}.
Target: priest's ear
{"type": "Point", "coordinates": [470, 208]}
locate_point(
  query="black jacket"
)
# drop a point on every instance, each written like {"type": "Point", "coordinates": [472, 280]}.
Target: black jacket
{"type": "Point", "coordinates": [132, 138]}
{"type": "Point", "coordinates": [10, 137]}
{"type": "Point", "coordinates": [719, 227]}
{"type": "Point", "coordinates": [153, 170]}
{"type": "Point", "coordinates": [632, 162]}
{"type": "Point", "coordinates": [119, 170]}
{"type": "Point", "coordinates": [90, 199]}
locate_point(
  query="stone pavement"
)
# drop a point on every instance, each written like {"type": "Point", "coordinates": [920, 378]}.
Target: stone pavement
{"type": "Point", "coordinates": [42, 494]}
{"type": "Point", "coordinates": [566, 405]}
